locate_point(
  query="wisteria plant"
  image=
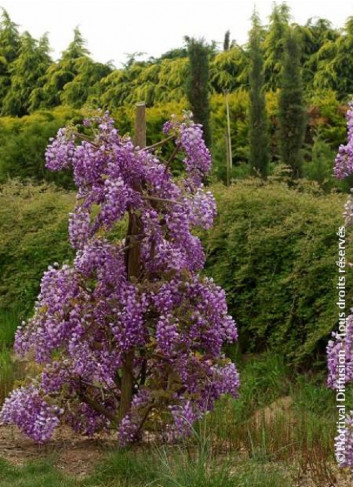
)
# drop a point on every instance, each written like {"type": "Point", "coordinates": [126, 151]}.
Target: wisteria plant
{"type": "Point", "coordinates": [340, 347]}
{"type": "Point", "coordinates": [131, 332]}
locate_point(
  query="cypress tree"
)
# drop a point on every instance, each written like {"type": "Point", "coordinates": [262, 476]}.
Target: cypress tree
{"type": "Point", "coordinates": [274, 44]}
{"type": "Point", "coordinates": [291, 115]}
{"type": "Point", "coordinates": [258, 131]}
{"type": "Point", "coordinates": [197, 84]}
{"type": "Point", "coordinates": [226, 42]}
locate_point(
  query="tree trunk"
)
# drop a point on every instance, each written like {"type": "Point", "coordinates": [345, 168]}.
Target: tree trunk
{"type": "Point", "coordinates": [133, 268]}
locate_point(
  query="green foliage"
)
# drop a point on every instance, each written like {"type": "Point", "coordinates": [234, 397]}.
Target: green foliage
{"type": "Point", "coordinates": [9, 320]}
{"type": "Point", "coordinates": [7, 373]}
{"type": "Point", "coordinates": [274, 43]}
{"type": "Point", "coordinates": [291, 114]}
{"type": "Point", "coordinates": [9, 47]}
{"type": "Point", "coordinates": [239, 127]}
{"type": "Point", "coordinates": [33, 236]}
{"type": "Point", "coordinates": [23, 142]}
{"type": "Point", "coordinates": [319, 166]}
{"type": "Point", "coordinates": [278, 431]}
{"type": "Point", "coordinates": [197, 89]}
{"type": "Point", "coordinates": [183, 466]}
{"type": "Point", "coordinates": [313, 36]}
{"type": "Point", "coordinates": [229, 70]}
{"type": "Point", "coordinates": [334, 62]}
{"type": "Point", "coordinates": [71, 80]}
{"type": "Point", "coordinates": [273, 249]}
{"type": "Point", "coordinates": [33, 474]}
{"type": "Point", "coordinates": [327, 116]}
{"type": "Point", "coordinates": [31, 81]}
{"type": "Point", "coordinates": [26, 72]}
{"type": "Point", "coordinates": [258, 128]}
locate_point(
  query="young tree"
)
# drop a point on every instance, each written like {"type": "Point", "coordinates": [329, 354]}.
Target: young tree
{"type": "Point", "coordinates": [197, 84]}
{"type": "Point", "coordinates": [131, 331]}
{"type": "Point", "coordinates": [258, 130]}
{"type": "Point", "coordinates": [291, 108]}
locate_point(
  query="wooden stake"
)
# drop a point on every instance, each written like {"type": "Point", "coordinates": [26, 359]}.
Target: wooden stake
{"type": "Point", "coordinates": [140, 125]}
{"type": "Point", "coordinates": [228, 143]}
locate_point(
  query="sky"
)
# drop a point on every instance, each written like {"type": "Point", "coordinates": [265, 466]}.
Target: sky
{"type": "Point", "coordinates": [115, 28]}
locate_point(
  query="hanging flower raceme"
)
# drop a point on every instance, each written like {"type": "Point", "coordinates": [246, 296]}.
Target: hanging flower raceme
{"type": "Point", "coordinates": [340, 347]}
{"type": "Point", "coordinates": [130, 332]}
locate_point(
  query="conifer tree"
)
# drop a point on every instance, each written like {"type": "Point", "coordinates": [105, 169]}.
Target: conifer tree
{"type": "Point", "coordinates": [26, 72]}
{"type": "Point", "coordinates": [9, 48]}
{"type": "Point", "coordinates": [197, 84]}
{"type": "Point", "coordinates": [258, 130]}
{"type": "Point", "coordinates": [274, 44]}
{"type": "Point", "coordinates": [226, 42]}
{"type": "Point", "coordinates": [291, 116]}
{"type": "Point", "coordinates": [60, 73]}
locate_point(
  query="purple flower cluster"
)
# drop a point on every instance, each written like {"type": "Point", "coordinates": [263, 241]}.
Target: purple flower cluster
{"type": "Point", "coordinates": [92, 315]}
{"type": "Point", "coordinates": [344, 159]}
{"type": "Point", "coordinates": [190, 138]}
{"type": "Point", "coordinates": [26, 408]}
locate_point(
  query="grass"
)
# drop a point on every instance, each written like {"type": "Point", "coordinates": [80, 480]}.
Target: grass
{"type": "Point", "coordinates": [8, 325]}
{"type": "Point", "coordinates": [278, 433]}
{"type": "Point", "coordinates": [10, 371]}
{"type": "Point", "coordinates": [181, 467]}
{"type": "Point", "coordinates": [41, 474]}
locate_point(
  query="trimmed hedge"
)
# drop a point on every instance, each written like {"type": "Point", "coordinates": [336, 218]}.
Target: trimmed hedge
{"type": "Point", "coordinates": [33, 235]}
{"type": "Point", "coordinates": [273, 249]}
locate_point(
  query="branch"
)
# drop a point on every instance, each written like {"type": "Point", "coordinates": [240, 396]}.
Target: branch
{"type": "Point", "coordinates": [156, 145]}
{"type": "Point", "coordinates": [148, 409]}
{"type": "Point", "coordinates": [173, 155]}
{"type": "Point", "coordinates": [96, 406]}
{"type": "Point", "coordinates": [87, 139]}
{"type": "Point", "coordinates": [159, 199]}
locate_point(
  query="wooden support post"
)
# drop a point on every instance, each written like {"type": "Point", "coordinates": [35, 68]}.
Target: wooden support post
{"type": "Point", "coordinates": [140, 125]}
{"type": "Point", "coordinates": [228, 143]}
{"type": "Point", "coordinates": [133, 267]}
{"type": "Point", "coordinates": [227, 161]}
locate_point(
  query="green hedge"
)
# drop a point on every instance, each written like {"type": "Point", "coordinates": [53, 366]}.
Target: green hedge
{"type": "Point", "coordinates": [273, 249]}
{"type": "Point", "coordinates": [33, 235]}
{"type": "Point", "coordinates": [23, 142]}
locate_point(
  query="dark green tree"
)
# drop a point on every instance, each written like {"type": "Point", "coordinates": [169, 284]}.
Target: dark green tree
{"type": "Point", "coordinates": [197, 89]}
{"type": "Point", "coordinates": [226, 42]}
{"type": "Point", "coordinates": [85, 85]}
{"type": "Point", "coordinates": [258, 129]}
{"type": "Point", "coordinates": [291, 108]}
{"type": "Point", "coordinates": [9, 49]}
{"type": "Point", "coordinates": [335, 63]}
{"type": "Point", "coordinates": [313, 36]}
{"type": "Point", "coordinates": [274, 44]}
{"type": "Point", "coordinates": [26, 71]}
